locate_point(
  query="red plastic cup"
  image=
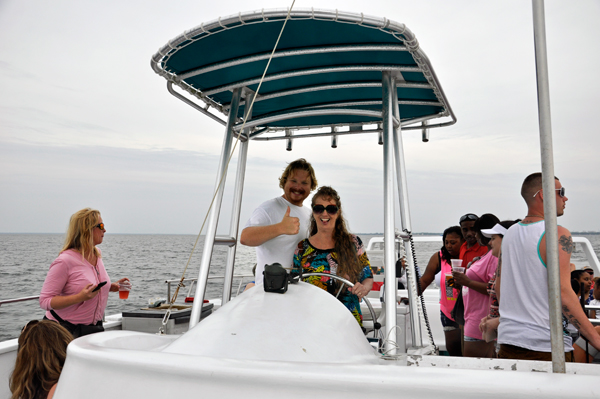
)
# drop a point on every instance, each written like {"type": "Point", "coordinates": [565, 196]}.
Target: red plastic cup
{"type": "Point", "coordinates": [124, 289]}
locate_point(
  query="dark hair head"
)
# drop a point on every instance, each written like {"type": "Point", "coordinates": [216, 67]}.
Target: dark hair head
{"type": "Point", "coordinates": [575, 283]}
{"type": "Point", "coordinates": [506, 224]}
{"type": "Point", "coordinates": [344, 245]}
{"type": "Point", "coordinates": [450, 230]}
{"type": "Point", "coordinates": [485, 221]}
{"type": "Point", "coordinates": [531, 185]}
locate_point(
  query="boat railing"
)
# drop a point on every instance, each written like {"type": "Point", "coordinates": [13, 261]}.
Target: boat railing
{"type": "Point", "coordinates": [595, 322]}
{"type": "Point", "coordinates": [193, 281]}
{"type": "Point", "coordinates": [23, 299]}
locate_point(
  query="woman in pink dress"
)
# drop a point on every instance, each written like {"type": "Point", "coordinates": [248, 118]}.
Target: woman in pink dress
{"type": "Point", "coordinates": [476, 299]}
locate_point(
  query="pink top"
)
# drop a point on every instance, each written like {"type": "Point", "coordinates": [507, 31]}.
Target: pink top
{"type": "Point", "coordinates": [448, 295]}
{"type": "Point", "coordinates": [477, 305]}
{"type": "Point", "coordinates": [68, 275]}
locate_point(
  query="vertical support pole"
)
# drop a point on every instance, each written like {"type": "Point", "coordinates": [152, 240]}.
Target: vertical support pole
{"type": "Point", "coordinates": [389, 237]}
{"type": "Point", "coordinates": [554, 300]}
{"type": "Point", "coordinates": [334, 137]}
{"type": "Point", "coordinates": [288, 142]}
{"type": "Point", "coordinates": [425, 132]}
{"type": "Point", "coordinates": [211, 231]}
{"type": "Point", "coordinates": [235, 212]}
{"type": "Point", "coordinates": [413, 300]}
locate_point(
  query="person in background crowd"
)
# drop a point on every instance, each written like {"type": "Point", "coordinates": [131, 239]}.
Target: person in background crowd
{"type": "Point", "coordinates": [591, 273]}
{"type": "Point", "coordinates": [593, 314]}
{"type": "Point", "coordinates": [40, 358]}
{"type": "Point", "coordinates": [489, 324]}
{"type": "Point", "coordinates": [474, 284]}
{"type": "Point", "coordinates": [524, 331]}
{"type": "Point", "coordinates": [277, 225]}
{"type": "Point", "coordinates": [578, 278]}
{"type": "Point", "coordinates": [581, 348]}
{"type": "Point", "coordinates": [583, 352]}
{"type": "Point", "coordinates": [440, 262]}
{"type": "Point", "coordinates": [470, 249]}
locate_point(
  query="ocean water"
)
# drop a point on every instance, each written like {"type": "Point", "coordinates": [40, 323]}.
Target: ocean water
{"type": "Point", "coordinates": [147, 260]}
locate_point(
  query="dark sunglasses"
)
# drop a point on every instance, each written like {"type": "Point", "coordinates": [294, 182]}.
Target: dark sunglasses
{"type": "Point", "coordinates": [468, 216]}
{"type": "Point", "coordinates": [561, 192]}
{"type": "Point", "coordinates": [100, 226]}
{"type": "Point", "coordinates": [331, 209]}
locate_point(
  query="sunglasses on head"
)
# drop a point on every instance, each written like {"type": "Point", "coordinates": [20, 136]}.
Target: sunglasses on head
{"type": "Point", "coordinates": [331, 209]}
{"type": "Point", "coordinates": [468, 216]}
{"type": "Point", "coordinates": [561, 192]}
{"type": "Point", "coordinates": [100, 226]}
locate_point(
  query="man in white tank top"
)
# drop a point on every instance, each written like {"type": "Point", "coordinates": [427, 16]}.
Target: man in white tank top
{"type": "Point", "coordinates": [522, 283]}
{"type": "Point", "coordinates": [278, 225]}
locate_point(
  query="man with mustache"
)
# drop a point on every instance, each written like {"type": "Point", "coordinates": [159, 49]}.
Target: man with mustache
{"type": "Point", "coordinates": [276, 226]}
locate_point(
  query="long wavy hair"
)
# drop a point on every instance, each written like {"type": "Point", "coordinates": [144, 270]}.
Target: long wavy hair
{"type": "Point", "coordinates": [345, 249]}
{"type": "Point", "coordinates": [40, 359]}
{"type": "Point", "coordinates": [80, 233]}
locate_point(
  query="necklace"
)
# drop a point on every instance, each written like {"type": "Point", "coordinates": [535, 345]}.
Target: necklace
{"type": "Point", "coordinates": [534, 216]}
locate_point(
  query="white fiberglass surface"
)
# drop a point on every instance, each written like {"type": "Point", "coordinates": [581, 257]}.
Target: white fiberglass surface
{"type": "Point", "coordinates": [304, 324]}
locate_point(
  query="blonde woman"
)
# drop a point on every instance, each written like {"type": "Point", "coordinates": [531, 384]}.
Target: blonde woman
{"type": "Point", "coordinates": [76, 288]}
{"type": "Point", "coordinates": [40, 359]}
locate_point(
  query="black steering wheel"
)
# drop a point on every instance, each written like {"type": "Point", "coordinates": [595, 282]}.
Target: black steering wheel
{"type": "Point", "coordinates": [376, 325]}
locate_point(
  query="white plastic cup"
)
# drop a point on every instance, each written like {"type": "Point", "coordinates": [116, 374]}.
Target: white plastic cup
{"type": "Point", "coordinates": [456, 263]}
{"type": "Point", "coordinates": [459, 269]}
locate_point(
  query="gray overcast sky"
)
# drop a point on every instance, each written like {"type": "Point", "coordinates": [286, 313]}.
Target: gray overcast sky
{"type": "Point", "coordinates": [85, 122]}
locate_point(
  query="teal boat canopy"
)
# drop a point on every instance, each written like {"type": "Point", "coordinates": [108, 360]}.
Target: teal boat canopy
{"type": "Point", "coordinates": [326, 71]}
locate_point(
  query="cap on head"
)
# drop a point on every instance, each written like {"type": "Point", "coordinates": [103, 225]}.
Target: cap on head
{"type": "Point", "coordinates": [497, 229]}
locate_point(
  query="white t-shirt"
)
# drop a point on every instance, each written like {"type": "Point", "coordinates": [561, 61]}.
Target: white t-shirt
{"type": "Point", "coordinates": [281, 248]}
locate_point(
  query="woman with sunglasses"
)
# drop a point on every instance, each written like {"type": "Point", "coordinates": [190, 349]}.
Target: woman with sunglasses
{"type": "Point", "coordinates": [40, 359]}
{"type": "Point", "coordinates": [76, 288]}
{"type": "Point", "coordinates": [332, 249]}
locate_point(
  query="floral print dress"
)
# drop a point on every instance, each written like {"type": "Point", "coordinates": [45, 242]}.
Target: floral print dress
{"type": "Point", "coordinates": [315, 260]}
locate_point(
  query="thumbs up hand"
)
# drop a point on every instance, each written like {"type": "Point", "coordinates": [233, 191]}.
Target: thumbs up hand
{"type": "Point", "coordinates": [289, 225]}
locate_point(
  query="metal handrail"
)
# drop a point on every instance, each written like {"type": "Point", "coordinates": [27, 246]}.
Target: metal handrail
{"type": "Point", "coordinates": [23, 299]}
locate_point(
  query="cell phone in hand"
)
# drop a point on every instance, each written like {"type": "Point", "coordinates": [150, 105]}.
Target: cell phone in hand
{"type": "Point", "coordinates": [102, 284]}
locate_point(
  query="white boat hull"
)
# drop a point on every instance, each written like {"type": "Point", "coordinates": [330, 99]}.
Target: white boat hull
{"type": "Point", "coordinates": [319, 352]}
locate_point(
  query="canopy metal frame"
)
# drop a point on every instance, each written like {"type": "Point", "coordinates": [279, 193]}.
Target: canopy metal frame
{"type": "Point", "coordinates": [383, 111]}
